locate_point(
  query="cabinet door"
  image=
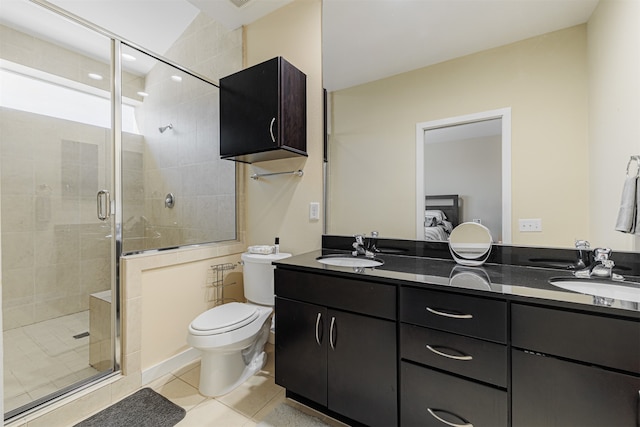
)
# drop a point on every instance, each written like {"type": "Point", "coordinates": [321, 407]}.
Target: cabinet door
{"type": "Point", "coordinates": [555, 393]}
{"type": "Point", "coordinates": [301, 349]}
{"type": "Point", "coordinates": [362, 376]}
{"type": "Point", "coordinates": [249, 109]}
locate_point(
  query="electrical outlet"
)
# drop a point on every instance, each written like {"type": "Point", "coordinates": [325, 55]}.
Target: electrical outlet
{"type": "Point", "coordinates": [477, 220]}
{"type": "Point", "coordinates": [314, 211]}
{"type": "Point", "coordinates": [530, 225]}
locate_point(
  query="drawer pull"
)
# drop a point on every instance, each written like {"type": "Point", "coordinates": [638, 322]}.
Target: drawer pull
{"type": "Point", "coordinates": [318, 319]}
{"type": "Point", "coordinates": [333, 323]}
{"type": "Point", "coordinates": [452, 315]}
{"type": "Point", "coordinates": [433, 414]}
{"type": "Point", "coordinates": [449, 356]}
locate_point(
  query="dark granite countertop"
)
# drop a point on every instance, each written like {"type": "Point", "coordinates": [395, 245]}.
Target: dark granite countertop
{"type": "Point", "coordinates": [512, 282]}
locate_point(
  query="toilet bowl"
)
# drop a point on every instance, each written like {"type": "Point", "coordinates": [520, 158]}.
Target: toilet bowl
{"type": "Point", "coordinates": [231, 337]}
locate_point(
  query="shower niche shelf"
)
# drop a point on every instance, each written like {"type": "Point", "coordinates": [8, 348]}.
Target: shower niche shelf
{"type": "Point", "coordinates": [263, 113]}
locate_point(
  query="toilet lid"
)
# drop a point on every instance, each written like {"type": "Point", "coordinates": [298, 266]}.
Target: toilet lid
{"type": "Point", "coordinates": [225, 318]}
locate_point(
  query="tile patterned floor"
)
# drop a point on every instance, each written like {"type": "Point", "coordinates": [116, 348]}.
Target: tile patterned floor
{"type": "Point", "coordinates": [42, 358]}
{"type": "Point", "coordinates": [244, 407]}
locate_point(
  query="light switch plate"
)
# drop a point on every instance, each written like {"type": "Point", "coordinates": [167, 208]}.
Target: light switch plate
{"type": "Point", "coordinates": [530, 225]}
{"type": "Point", "coordinates": [314, 211]}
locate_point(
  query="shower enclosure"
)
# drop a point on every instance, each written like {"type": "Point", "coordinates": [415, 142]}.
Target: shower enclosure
{"type": "Point", "coordinates": [104, 150]}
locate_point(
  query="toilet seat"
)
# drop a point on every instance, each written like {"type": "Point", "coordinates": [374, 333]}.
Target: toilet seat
{"type": "Point", "coordinates": [224, 318]}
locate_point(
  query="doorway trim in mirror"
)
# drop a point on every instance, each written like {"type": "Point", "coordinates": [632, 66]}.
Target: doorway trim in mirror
{"type": "Point", "coordinates": [502, 113]}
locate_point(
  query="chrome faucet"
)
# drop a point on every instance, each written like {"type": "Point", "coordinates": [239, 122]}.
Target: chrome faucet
{"type": "Point", "coordinates": [366, 247]}
{"type": "Point", "coordinates": [584, 254]}
{"type": "Point", "coordinates": [602, 266]}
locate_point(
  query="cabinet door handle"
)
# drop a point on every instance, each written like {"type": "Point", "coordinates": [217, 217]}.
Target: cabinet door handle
{"type": "Point", "coordinates": [318, 319]}
{"type": "Point", "coordinates": [449, 356]}
{"type": "Point", "coordinates": [452, 315]}
{"type": "Point", "coordinates": [331, 342]}
{"type": "Point", "coordinates": [273, 138]}
{"type": "Point", "coordinates": [433, 414]}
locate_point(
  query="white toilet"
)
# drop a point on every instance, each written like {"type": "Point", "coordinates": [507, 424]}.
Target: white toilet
{"type": "Point", "coordinates": [232, 336]}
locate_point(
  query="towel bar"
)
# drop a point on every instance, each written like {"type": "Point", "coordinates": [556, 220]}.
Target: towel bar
{"type": "Point", "coordinates": [299, 172]}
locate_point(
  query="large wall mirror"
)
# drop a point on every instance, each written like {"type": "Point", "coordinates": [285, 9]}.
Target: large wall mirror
{"type": "Point", "coordinates": [571, 90]}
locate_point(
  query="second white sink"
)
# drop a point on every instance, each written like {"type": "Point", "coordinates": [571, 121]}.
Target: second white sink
{"type": "Point", "coordinates": [606, 289]}
{"type": "Point", "coordinates": [347, 261]}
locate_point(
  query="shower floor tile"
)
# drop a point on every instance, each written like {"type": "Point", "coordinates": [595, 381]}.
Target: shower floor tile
{"type": "Point", "coordinates": [42, 358]}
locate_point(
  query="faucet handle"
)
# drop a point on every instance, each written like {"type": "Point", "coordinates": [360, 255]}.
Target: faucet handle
{"type": "Point", "coordinates": [582, 244]}
{"type": "Point", "coordinates": [601, 254]}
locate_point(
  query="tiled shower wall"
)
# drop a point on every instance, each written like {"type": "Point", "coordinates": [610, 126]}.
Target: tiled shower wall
{"type": "Point", "coordinates": [185, 161]}
{"type": "Point", "coordinates": [55, 252]}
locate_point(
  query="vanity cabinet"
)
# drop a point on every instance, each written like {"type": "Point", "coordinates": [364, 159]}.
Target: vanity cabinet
{"type": "Point", "coordinates": [336, 344]}
{"type": "Point", "coordinates": [574, 368]}
{"type": "Point", "coordinates": [454, 366]}
{"type": "Point", "coordinates": [263, 113]}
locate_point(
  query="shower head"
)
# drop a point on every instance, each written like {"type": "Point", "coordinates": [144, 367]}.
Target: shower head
{"type": "Point", "coordinates": [163, 128]}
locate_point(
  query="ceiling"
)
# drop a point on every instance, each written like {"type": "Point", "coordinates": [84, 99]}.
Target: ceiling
{"type": "Point", "coordinates": [363, 40]}
{"type": "Point", "coordinates": [366, 40]}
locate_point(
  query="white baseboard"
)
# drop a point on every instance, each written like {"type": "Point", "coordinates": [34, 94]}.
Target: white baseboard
{"type": "Point", "coordinates": [170, 365]}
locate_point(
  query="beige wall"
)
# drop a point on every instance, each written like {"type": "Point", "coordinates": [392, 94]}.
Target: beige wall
{"type": "Point", "coordinates": [614, 125]}
{"type": "Point", "coordinates": [279, 206]}
{"type": "Point", "coordinates": [543, 80]}
{"type": "Point", "coordinates": [173, 290]}
{"type": "Point", "coordinates": [164, 293]}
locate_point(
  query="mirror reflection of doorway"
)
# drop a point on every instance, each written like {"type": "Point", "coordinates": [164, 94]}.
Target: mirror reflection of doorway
{"type": "Point", "coordinates": [464, 156]}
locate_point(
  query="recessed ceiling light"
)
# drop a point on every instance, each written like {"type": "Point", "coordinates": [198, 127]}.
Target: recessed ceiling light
{"type": "Point", "coordinates": [128, 57]}
{"type": "Point", "coordinates": [176, 78]}
{"type": "Point", "coordinates": [143, 94]}
{"type": "Point", "coordinates": [95, 76]}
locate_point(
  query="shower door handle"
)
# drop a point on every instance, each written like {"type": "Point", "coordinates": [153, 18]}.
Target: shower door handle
{"type": "Point", "coordinates": [104, 205]}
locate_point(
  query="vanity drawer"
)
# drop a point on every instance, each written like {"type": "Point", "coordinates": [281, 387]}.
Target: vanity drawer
{"type": "Point", "coordinates": [461, 314]}
{"type": "Point", "coordinates": [427, 394]}
{"type": "Point", "coordinates": [601, 340]}
{"type": "Point", "coordinates": [470, 357]}
{"type": "Point", "coordinates": [359, 296]}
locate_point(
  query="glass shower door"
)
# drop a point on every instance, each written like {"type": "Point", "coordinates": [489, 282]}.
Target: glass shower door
{"type": "Point", "coordinates": [57, 234]}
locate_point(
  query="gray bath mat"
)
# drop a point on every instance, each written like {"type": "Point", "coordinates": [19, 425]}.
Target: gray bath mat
{"type": "Point", "coordinates": [143, 408]}
{"type": "Point", "coordinates": [284, 415]}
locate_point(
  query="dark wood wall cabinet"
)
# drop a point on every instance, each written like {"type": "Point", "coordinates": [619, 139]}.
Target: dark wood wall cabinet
{"type": "Point", "coordinates": [460, 360]}
{"type": "Point", "coordinates": [263, 113]}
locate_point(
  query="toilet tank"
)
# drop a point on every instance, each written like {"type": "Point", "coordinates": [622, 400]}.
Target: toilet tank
{"type": "Point", "coordinates": [258, 277]}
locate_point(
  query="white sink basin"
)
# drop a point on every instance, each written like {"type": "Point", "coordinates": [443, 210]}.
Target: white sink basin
{"type": "Point", "coordinates": [606, 289]}
{"type": "Point", "coordinates": [349, 261]}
